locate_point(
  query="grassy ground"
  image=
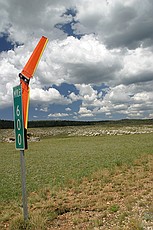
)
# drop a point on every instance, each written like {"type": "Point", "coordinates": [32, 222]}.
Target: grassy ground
{"type": "Point", "coordinates": [80, 183]}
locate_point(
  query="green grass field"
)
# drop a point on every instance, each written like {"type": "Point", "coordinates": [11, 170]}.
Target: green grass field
{"type": "Point", "coordinates": [60, 163]}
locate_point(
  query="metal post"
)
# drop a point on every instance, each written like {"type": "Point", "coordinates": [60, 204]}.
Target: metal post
{"type": "Point", "coordinates": [23, 178]}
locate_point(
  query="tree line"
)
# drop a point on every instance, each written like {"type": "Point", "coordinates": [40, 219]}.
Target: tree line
{"type": "Point", "coordinates": [9, 124]}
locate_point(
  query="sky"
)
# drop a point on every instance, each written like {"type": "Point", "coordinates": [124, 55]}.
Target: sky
{"type": "Point", "coordinates": [97, 65]}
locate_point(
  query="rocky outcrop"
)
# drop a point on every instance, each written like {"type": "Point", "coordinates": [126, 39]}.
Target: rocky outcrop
{"type": "Point", "coordinates": [36, 134]}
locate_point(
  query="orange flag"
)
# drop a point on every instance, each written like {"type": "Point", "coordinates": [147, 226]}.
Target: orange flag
{"type": "Point", "coordinates": [27, 73]}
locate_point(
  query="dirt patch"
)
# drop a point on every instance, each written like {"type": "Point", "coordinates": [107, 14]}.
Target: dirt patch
{"type": "Point", "coordinates": [110, 200]}
{"type": "Point", "coordinates": [118, 199]}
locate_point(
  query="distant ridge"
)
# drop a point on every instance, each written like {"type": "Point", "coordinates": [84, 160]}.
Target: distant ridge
{"type": "Point", "coordinates": [9, 124]}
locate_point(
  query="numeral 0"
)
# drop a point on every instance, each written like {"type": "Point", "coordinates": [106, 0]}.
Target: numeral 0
{"type": "Point", "coordinates": [18, 124]}
{"type": "Point", "coordinates": [19, 139]}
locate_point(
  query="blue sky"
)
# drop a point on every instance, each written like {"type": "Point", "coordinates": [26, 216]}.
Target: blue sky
{"type": "Point", "coordinates": [4, 44]}
{"type": "Point", "coordinates": [97, 64]}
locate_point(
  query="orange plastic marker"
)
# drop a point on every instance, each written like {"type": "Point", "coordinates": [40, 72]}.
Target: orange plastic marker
{"type": "Point", "coordinates": [32, 63]}
{"type": "Point", "coordinates": [25, 75]}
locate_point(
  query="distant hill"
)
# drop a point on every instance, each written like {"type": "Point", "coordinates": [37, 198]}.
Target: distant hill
{"type": "Point", "coordinates": [8, 124]}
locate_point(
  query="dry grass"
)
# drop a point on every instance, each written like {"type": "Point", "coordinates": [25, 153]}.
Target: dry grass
{"type": "Point", "coordinates": [118, 199]}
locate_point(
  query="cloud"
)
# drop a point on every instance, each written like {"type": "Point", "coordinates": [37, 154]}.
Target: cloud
{"type": "Point", "coordinates": [89, 61]}
{"type": "Point", "coordinates": [44, 109]}
{"type": "Point", "coordinates": [87, 94]}
{"type": "Point", "coordinates": [79, 61]}
{"type": "Point", "coordinates": [120, 101]}
{"type": "Point", "coordinates": [68, 109]}
{"type": "Point", "coordinates": [117, 23]}
{"type": "Point", "coordinates": [49, 96]}
{"type": "Point", "coordinates": [84, 112]}
{"type": "Point", "coordinates": [137, 66]}
{"type": "Point", "coordinates": [23, 20]}
{"type": "Point", "coordinates": [115, 49]}
{"type": "Point", "coordinates": [58, 115]}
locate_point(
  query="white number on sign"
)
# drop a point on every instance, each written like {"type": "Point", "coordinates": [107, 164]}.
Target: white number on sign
{"type": "Point", "coordinates": [18, 124]}
{"type": "Point", "coordinates": [19, 139]}
{"type": "Point", "coordinates": [17, 111]}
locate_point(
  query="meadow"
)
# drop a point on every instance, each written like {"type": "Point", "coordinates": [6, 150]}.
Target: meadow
{"type": "Point", "coordinates": [80, 182]}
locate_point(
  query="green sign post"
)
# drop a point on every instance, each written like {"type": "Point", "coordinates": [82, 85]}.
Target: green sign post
{"type": "Point", "coordinates": [18, 117]}
{"type": "Point", "coordinates": [19, 141]}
